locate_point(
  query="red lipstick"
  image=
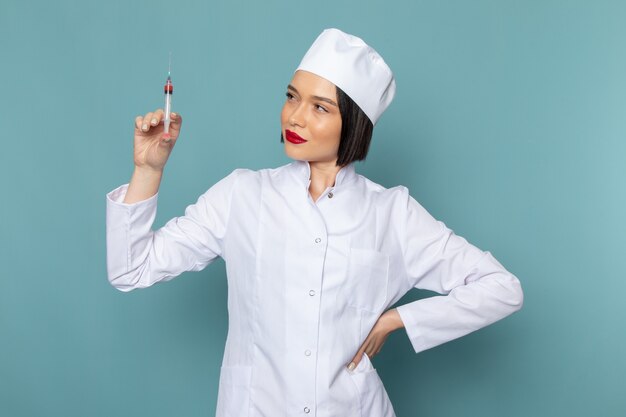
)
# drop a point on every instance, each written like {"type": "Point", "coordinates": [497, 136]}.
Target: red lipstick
{"type": "Point", "coordinates": [293, 137]}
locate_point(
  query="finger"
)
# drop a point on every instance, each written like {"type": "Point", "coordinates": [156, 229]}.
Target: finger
{"type": "Point", "coordinates": [356, 360]}
{"type": "Point", "coordinates": [175, 119]}
{"type": "Point", "coordinates": [157, 115]}
{"type": "Point", "coordinates": [170, 138]}
{"type": "Point", "coordinates": [145, 124]}
{"type": "Point", "coordinates": [367, 348]}
{"type": "Point", "coordinates": [138, 122]}
{"type": "Point", "coordinates": [167, 141]}
{"type": "Point", "coordinates": [175, 124]}
{"type": "Point", "coordinates": [375, 346]}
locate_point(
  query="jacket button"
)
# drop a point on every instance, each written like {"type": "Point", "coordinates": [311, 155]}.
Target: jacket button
{"type": "Point", "coordinates": [318, 240]}
{"type": "Point", "coordinates": [330, 195]}
{"type": "Point", "coordinates": [312, 293]}
{"type": "Point", "coordinates": [307, 352]}
{"type": "Point", "coordinates": [307, 410]}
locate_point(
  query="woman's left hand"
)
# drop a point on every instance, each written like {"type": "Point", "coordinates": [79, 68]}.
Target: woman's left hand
{"type": "Point", "coordinates": [388, 322]}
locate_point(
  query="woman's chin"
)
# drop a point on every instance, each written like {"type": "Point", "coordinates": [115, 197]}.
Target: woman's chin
{"type": "Point", "coordinates": [294, 154]}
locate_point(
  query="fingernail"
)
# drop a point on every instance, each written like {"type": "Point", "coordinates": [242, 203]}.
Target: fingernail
{"type": "Point", "coordinates": [351, 366]}
{"type": "Point", "coordinates": [173, 114]}
{"type": "Point", "coordinates": [154, 121]}
{"type": "Point", "coordinates": [144, 127]}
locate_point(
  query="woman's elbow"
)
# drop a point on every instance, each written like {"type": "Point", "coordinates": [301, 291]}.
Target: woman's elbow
{"type": "Point", "coordinates": [508, 288]}
{"type": "Point", "coordinates": [126, 281]}
{"type": "Point", "coordinates": [514, 294]}
{"type": "Point", "coordinates": [122, 283]}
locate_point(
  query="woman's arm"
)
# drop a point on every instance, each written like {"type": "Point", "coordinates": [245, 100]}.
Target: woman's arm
{"type": "Point", "coordinates": [386, 324]}
{"type": "Point", "coordinates": [150, 153]}
{"type": "Point", "coordinates": [144, 184]}
{"type": "Point", "coordinates": [138, 257]}
{"type": "Point", "coordinates": [476, 289]}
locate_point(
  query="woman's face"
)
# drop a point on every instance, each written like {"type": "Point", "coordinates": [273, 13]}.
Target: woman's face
{"type": "Point", "coordinates": [311, 113]}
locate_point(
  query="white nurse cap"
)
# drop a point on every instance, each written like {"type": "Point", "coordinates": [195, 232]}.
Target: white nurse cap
{"type": "Point", "coordinates": [355, 67]}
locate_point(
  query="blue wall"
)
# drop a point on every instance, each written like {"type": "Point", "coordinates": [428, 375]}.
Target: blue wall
{"type": "Point", "coordinates": [509, 125]}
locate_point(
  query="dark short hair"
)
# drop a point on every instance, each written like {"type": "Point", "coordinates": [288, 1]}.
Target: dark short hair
{"type": "Point", "coordinates": [356, 131]}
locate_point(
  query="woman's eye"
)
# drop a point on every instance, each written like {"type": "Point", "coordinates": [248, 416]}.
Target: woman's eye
{"type": "Point", "coordinates": [317, 106]}
{"type": "Point", "coordinates": [289, 96]}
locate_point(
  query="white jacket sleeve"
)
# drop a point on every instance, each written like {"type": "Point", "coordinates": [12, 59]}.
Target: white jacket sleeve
{"type": "Point", "coordinates": [477, 290]}
{"type": "Point", "coordinates": [138, 257]}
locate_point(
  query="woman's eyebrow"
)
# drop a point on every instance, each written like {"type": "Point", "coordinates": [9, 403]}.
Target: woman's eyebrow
{"type": "Point", "coordinates": [327, 100]}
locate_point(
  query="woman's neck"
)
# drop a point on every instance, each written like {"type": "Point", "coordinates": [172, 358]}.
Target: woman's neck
{"type": "Point", "coordinates": [323, 175]}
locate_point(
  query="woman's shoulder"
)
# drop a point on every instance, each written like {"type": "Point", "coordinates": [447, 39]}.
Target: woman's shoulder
{"type": "Point", "coordinates": [384, 193]}
{"type": "Point", "coordinates": [251, 176]}
{"type": "Point", "coordinates": [396, 200]}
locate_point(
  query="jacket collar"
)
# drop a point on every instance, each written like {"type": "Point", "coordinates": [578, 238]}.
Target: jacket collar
{"type": "Point", "coordinates": [302, 172]}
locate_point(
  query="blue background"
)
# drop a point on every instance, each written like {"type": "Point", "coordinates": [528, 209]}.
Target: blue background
{"type": "Point", "coordinates": [509, 125]}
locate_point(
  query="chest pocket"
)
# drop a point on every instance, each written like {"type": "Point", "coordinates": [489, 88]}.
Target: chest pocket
{"type": "Point", "coordinates": [366, 286]}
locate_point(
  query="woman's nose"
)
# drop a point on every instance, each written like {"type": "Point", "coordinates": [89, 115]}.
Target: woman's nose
{"type": "Point", "coordinates": [297, 117]}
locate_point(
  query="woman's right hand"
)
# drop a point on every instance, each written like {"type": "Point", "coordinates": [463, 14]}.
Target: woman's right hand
{"type": "Point", "coordinates": [151, 149]}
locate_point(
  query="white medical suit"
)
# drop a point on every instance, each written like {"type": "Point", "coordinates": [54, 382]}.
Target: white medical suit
{"type": "Point", "coordinates": [307, 281]}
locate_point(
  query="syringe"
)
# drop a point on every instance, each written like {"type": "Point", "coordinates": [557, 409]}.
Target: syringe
{"type": "Point", "coordinates": [168, 89]}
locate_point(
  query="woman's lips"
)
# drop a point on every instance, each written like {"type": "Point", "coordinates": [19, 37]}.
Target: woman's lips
{"type": "Point", "coordinates": [293, 137]}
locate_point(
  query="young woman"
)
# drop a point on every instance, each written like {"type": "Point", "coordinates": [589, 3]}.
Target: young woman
{"type": "Point", "coordinates": [315, 253]}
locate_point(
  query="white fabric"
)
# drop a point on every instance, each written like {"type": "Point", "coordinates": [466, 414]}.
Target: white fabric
{"type": "Point", "coordinates": [307, 281]}
{"type": "Point", "coordinates": [355, 67]}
